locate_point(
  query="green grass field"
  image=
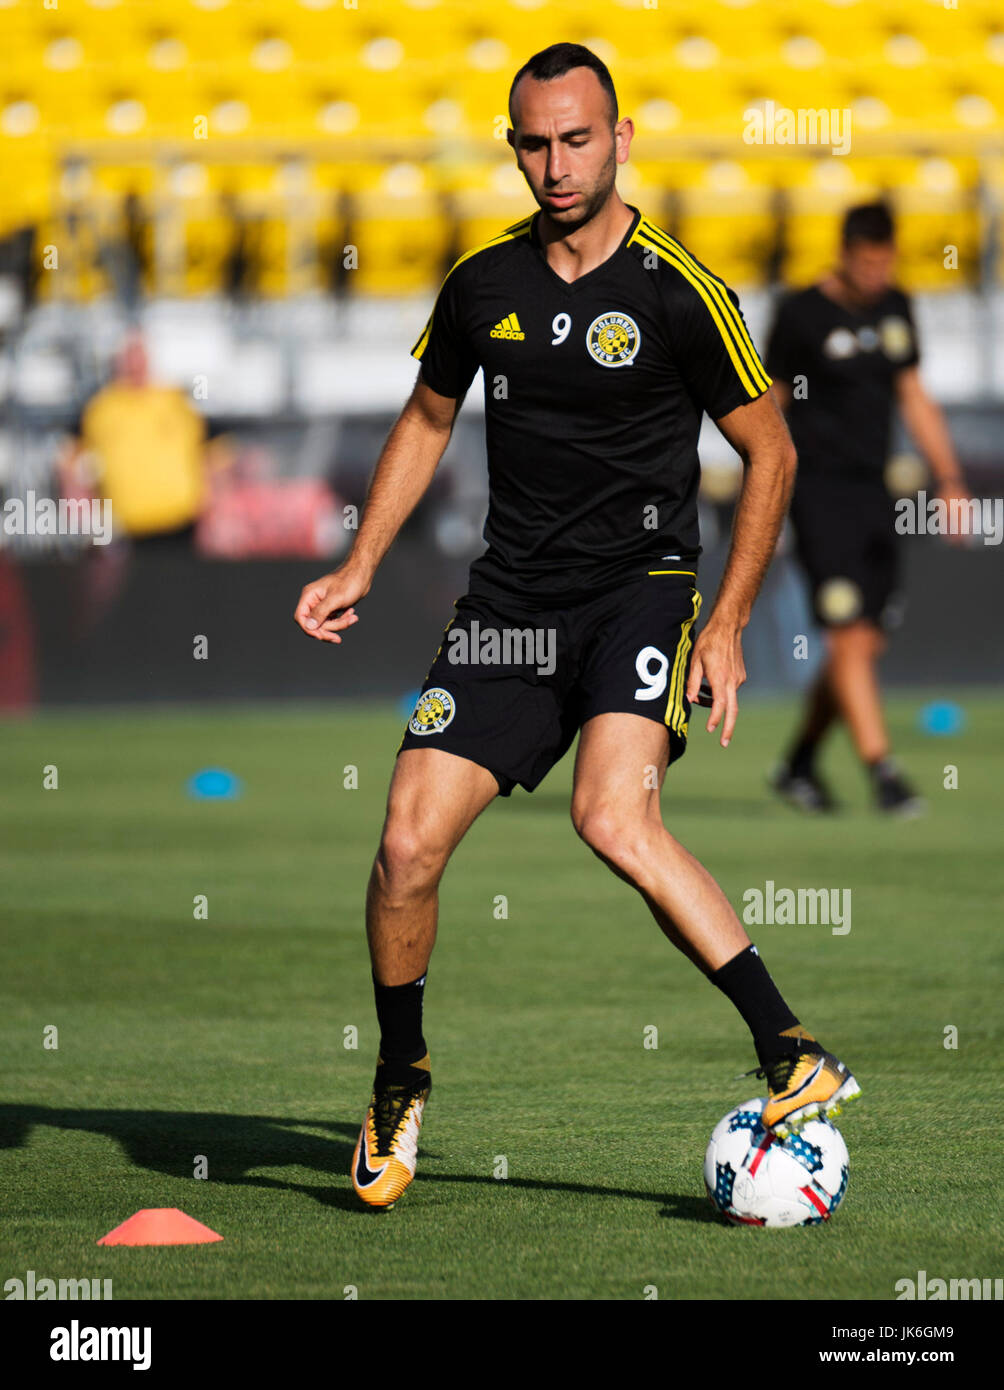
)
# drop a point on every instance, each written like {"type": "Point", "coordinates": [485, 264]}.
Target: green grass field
{"type": "Point", "coordinates": [224, 1037]}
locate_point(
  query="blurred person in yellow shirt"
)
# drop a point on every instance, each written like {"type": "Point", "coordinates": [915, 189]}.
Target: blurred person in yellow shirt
{"type": "Point", "coordinates": [147, 448]}
{"type": "Point", "coordinates": [142, 447]}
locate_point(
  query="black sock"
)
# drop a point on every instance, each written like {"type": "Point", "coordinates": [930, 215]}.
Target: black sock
{"type": "Point", "coordinates": [399, 1013]}
{"type": "Point", "coordinates": [802, 757]}
{"type": "Point", "coordinates": [744, 980]}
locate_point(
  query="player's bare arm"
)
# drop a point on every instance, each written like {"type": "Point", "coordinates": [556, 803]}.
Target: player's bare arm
{"type": "Point", "coordinates": [926, 424]}
{"type": "Point", "coordinates": [759, 435]}
{"type": "Point", "coordinates": [404, 471]}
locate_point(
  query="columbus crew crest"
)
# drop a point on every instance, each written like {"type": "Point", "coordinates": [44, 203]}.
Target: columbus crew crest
{"type": "Point", "coordinates": [896, 338]}
{"type": "Point", "coordinates": [613, 340]}
{"type": "Point", "coordinates": [433, 712]}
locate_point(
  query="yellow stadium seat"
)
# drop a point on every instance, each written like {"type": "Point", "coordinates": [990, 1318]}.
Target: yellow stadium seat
{"type": "Point", "coordinates": [702, 102]}
{"type": "Point", "coordinates": [29, 167]}
{"type": "Point", "coordinates": [69, 103]}
{"type": "Point", "coordinates": [938, 222]}
{"type": "Point", "coordinates": [724, 217]}
{"type": "Point", "coordinates": [843, 29]}
{"type": "Point", "coordinates": [396, 224]}
{"type": "Point", "coordinates": [487, 198]}
{"type": "Point", "coordinates": [210, 31]}
{"type": "Point", "coordinates": [345, 104]}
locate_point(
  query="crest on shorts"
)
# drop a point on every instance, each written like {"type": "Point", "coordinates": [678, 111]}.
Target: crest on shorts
{"type": "Point", "coordinates": [840, 600]}
{"type": "Point", "coordinates": [435, 709]}
{"type": "Point", "coordinates": [613, 339]}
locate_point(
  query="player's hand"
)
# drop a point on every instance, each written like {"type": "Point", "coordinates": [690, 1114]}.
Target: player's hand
{"type": "Point", "coordinates": [326, 605]}
{"type": "Point", "coordinates": [718, 663]}
{"type": "Point", "coordinates": [956, 492]}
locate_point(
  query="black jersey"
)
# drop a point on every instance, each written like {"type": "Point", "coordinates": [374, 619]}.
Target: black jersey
{"type": "Point", "coordinates": [849, 360]}
{"type": "Point", "coordinates": [594, 393]}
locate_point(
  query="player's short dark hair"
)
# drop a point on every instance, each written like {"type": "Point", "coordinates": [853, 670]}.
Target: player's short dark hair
{"type": "Point", "coordinates": [561, 58]}
{"type": "Point", "coordinates": [868, 222]}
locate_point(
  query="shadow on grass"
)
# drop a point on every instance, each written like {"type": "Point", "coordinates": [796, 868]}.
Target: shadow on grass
{"type": "Point", "coordinates": [167, 1142]}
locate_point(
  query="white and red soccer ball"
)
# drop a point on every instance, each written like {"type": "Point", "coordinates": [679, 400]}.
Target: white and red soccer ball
{"type": "Point", "coordinates": [756, 1179]}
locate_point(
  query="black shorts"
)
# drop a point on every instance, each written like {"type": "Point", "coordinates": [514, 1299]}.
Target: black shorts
{"type": "Point", "coordinates": [847, 544]}
{"type": "Point", "coordinates": [511, 685]}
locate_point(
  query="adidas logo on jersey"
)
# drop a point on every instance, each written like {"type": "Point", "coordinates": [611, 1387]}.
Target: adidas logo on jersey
{"type": "Point", "coordinates": [508, 328]}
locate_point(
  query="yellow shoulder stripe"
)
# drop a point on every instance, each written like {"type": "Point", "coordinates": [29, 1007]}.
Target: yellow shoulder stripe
{"type": "Point", "coordinates": [517, 229]}
{"type": "Point", "coordinates": [723, 312]}
{"type": "Point", "coordinates": [718, 287]}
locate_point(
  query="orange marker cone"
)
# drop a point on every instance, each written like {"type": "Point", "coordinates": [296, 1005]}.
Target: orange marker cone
{"type": "Point", "coordinates": [160, 1226]}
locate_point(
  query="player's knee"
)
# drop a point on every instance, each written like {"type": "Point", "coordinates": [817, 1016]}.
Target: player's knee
{"type": "Point", "coordinates": [410, 855]}
{"type": "Point", "coordinates": [606, 831]}
{"type": "Point", "coordinates": [853, 640]}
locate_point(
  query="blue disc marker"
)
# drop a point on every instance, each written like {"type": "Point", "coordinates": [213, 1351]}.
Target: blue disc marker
{"type": "Point", "coordinates": [942, 717]}
{"type": "Point", "coordinates": [214, 783]}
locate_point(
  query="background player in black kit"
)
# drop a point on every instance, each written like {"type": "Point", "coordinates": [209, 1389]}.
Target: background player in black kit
{"type": "Point", "coordinates": [602, 342]}
{"type": "Point", "coordinates": [843, 355]}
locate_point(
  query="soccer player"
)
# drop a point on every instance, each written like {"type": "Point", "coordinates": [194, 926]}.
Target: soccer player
{"type": "Point", "coordinates": [850, 344]}
{"type": "Point", "coordinates": [602, 341]}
